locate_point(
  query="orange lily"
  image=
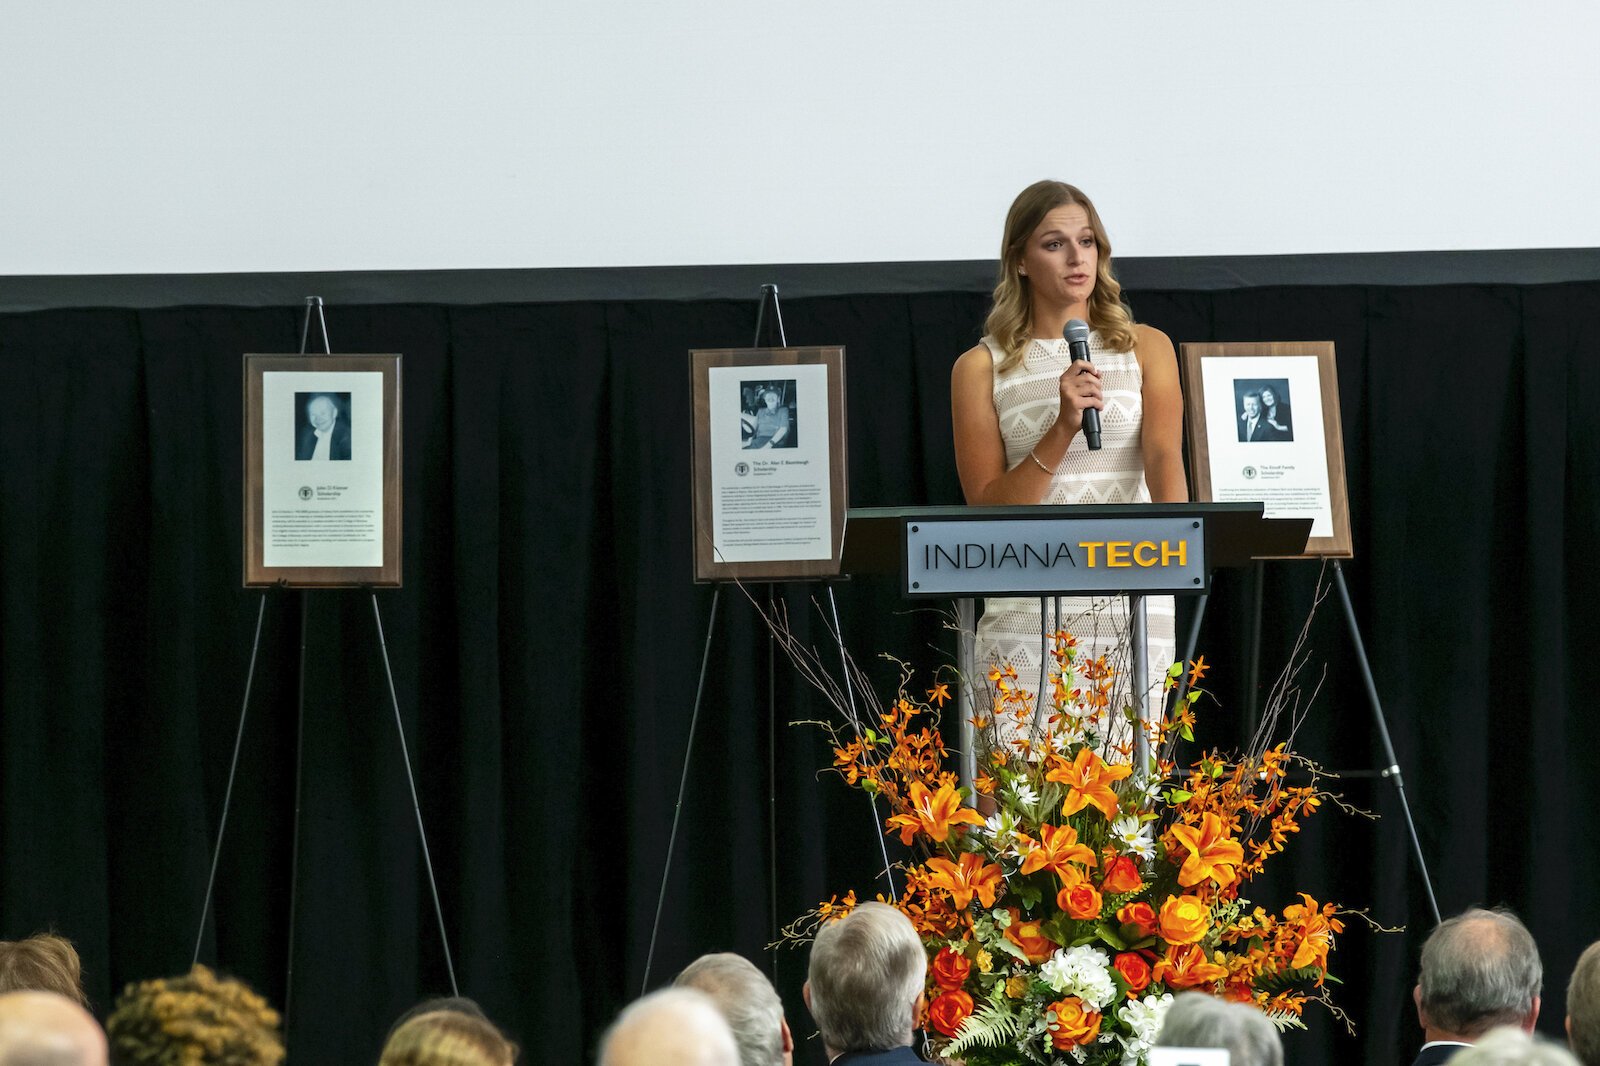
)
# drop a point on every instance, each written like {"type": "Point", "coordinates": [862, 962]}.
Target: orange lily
{"type": "Point", "coordinates": [935, 813]}
{"type": "Point", "coordinates": [1088, 780]}
{"type": "Point", "coordinates": [971, 877]}
{"type": "Point", "coordinates": [1197, 670]}
{"type": "Point", "coordinates": [1212, 852]}
{"type": "Point", "coordinates": [939, 693]}
{"type": "Point", "coordinates": [1316, 928]}
{"type": "Point", "coordinates": [1056, 849]}
{"type": "Point", "coordinates": [1186, 967]}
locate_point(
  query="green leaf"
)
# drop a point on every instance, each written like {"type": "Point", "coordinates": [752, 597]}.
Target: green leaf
{"type": "Point", "coordinates": [1112, 936]}
{"type": "Point", "coordinates": [1186, 733]}
{"type": "Point", "coordinates": [1173, 671]}
{"type": "Point", "coordinates": [1178, 795]}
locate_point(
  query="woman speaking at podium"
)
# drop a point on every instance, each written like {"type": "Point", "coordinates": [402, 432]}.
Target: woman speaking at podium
{"type": "Point", "coordinates": [1018, 403]}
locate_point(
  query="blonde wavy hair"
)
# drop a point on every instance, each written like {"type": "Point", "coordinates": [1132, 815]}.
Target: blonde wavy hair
{"type": "Point", "coordinates": [196, 1020]}
{"type": "Point", "coordinates": [448, 1038]}
{"type": "Point", "coordinates": [1012, 314]}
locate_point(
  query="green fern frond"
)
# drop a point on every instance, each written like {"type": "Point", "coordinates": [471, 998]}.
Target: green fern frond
{"type": "Point", "coordinates": [989, 1026]}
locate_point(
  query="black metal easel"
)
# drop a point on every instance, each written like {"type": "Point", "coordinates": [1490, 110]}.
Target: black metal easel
{"type": "Point", "coordinates": [1391, 767]}
{"type": "Point", "coordinates": [769, 294]}
{"type": "Point", "coordinates": [314, 305]}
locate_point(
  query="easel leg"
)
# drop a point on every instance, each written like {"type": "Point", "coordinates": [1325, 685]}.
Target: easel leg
{"type": "Point", "coordinates": [227, 795]}
{"type": "Point", "coordinates": [772, 777]}
{"type": "Point", "coordinates": [299, 776]}
{"type": "Point", "coordinates": [416, 805]}
{"type": "Point", "coordinates": [1252, 701]}
{"type": "Point", "coordinates": [683, 786]}
{"type": "Point", "coordinates": [1190, 645]}
{"type": "Point", "coordinates": [1392, 769]}
{"type": "Point", "coordinates": [850, 693]}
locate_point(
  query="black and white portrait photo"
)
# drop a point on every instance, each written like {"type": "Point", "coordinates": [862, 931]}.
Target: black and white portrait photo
{"type": "Point", "coordinates": [1262, 406]}
{"type": "Point", "coordinates": [767, 414]}
{"type": "Point", "coordinates": [321, 425]}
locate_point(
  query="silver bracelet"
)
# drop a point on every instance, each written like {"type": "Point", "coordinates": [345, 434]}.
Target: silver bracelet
{"type": "Point", "coordinates": [1040, 465]}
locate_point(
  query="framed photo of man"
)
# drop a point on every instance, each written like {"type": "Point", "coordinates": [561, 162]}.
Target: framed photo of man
{"type": "Point", "coordinates": [322, 471]}
{"type": "Point", "coordinates": [1264, 425]}
{"type": "Point", "coordinates": [769, 462]}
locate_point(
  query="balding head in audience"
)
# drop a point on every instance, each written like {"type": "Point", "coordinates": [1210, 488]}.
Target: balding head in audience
{"type": "Point", "coordinates": [748, 1003]}
{"type": "Point", "coordinates": [865, 982]}
{"type": "Point", "coordinates": [1479, 970]}
{"type": "Point", "coordinates": [1511, 1045]}
{"type": "Point", "coordinates": [673, 1027]}
{"type": "Point", "coordinates": [1583, 1007]}
{"type": "Point", "coordinates": [1201, 1021]}
{"type": "Point", "coordinates": [48, 1029]}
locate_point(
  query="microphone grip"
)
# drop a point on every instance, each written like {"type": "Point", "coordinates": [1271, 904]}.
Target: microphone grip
{"type": "Point", "coordinates": [1091, 429]}
{"type": "Point", "coordinates": [1091, 417]}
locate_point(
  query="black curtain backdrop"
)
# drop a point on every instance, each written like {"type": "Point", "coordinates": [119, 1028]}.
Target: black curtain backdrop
{"type": "Point", "coordinates": [547, 643]}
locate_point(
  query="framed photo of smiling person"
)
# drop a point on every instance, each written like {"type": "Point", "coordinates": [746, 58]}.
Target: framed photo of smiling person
{"type": "Point", "coordinates": [1264, 425]}
{"type": "Point", "coordinates": [322, 470]}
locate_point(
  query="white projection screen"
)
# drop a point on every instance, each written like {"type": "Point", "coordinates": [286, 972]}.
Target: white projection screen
{"type": "Point", "coordinates": [200, 137]}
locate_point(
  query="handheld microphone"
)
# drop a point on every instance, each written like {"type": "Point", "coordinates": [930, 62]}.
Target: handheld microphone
{"type": "Point", "coordinates": [1077, 335]}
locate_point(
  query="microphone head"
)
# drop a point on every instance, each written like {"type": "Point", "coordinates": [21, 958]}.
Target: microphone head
{"type": "Point", "coordinates": [1076, 332]}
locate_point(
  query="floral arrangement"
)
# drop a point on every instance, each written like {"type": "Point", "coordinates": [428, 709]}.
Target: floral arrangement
{"type": "Point", "coordinates": [1059, 927]}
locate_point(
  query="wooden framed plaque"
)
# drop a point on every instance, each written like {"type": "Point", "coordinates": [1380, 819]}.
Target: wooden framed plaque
{"type": "Point", "coordinates": [769, 463]}
{"type": "Point", "coordinates": [322, 470]}
{"type": "Point", "coordinates": [1264, 425]}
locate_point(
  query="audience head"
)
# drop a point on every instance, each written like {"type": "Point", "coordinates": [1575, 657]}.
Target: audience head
{"type": "Point", "coordinates": [43, 962]}
{"type": "Point", "coordinates": [447, 1037]}
{"type": "Point", "coordinates": [48, 1029]}
{"type": "Point", "coordinates": [459, 1004]}
{"type": "Point", "coordinates": [1479, 970]}
{"type": "Point", "coordinates": [196, 1020]}
{"type": "Point", "coordinates": [1202, 1021]}
{"type": "Point", "coordinates": [673, 1027]}
{"type": "Point", "coordinates": [864, 986]}
{"type": "Point", "coordinates": [748, 1003]}
{"type": "Point", "coordinates": [1583, 1007]}
{"type": "Point", "coordinates": [1511, 1045]}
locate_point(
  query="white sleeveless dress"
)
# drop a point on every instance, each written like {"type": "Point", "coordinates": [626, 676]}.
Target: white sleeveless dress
{"type": "Point", "coordinates": [1027, 400]}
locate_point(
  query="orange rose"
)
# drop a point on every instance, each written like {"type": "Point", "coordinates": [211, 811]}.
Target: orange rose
{"type": "Point", "coordinates": [1138, 920]}
{"type": "Point", "coordinates": [1072, 1023]}
{"type": "Point", "coordinates": [1122, 876]}
{"type": "Point", "coordinates": [1184, 920]}
{"type": "Point", "coordinates": [948, 1011]}
{"type": "Point", "coordinates": [950, 969]}
{"type": "Point", "coordinates": [1186, 967]}
{"type": "Point", "coordinates": [1029, 937]}
{"type": "Point", "coordinates": [1080, 901]}
{"type": "Point", "coordinates": [1134, 970]}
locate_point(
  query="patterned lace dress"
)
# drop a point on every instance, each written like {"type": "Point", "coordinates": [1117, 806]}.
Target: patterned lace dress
{"type": "Point", "coordinates": [1027, 401]}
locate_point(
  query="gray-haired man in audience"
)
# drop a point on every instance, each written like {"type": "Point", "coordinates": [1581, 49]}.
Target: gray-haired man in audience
{"type": "Point", "coordinates": [1479, 970]}
{"type": "Point", "coordinates": [1201, 1021]}
{"type": "Point", "coordinates": [865, 985]}
{"type": "Point", "coordinates": [748, 1002]}
{"type": "Point", "coordinates": [1583, 1007]}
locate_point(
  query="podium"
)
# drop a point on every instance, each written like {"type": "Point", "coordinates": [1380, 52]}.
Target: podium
{"type": "Point", "coordinates": [1049, 551]}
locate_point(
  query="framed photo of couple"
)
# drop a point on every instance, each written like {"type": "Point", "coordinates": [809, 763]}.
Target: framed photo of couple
{"type": "Point", "coordinates": [1264, 426]}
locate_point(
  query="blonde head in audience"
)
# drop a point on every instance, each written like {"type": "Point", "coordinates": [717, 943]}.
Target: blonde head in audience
{"type": "Point", "coordinates": [448, 1038]}
{"type": "Point", "coordinates": [196, 1020]}
{"type": "Point", "coordinates": [1583, 1007]}
{"type": "Point", "coordinates": [43, 962]}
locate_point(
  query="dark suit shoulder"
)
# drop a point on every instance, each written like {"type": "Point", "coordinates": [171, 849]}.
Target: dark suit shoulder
{"type": "Point", "coordinates": [1434, 1056]}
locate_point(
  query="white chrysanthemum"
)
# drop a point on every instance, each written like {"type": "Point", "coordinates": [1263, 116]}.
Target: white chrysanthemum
{"type": "Point", "coordinates": [1133, 836]}
{"type": "Point", "coordinates": [1143, 1017]}
{"type": "Point", "coordinates": [1082, 971]}
{"type": "Point", "coordinates": [1025, 793]}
